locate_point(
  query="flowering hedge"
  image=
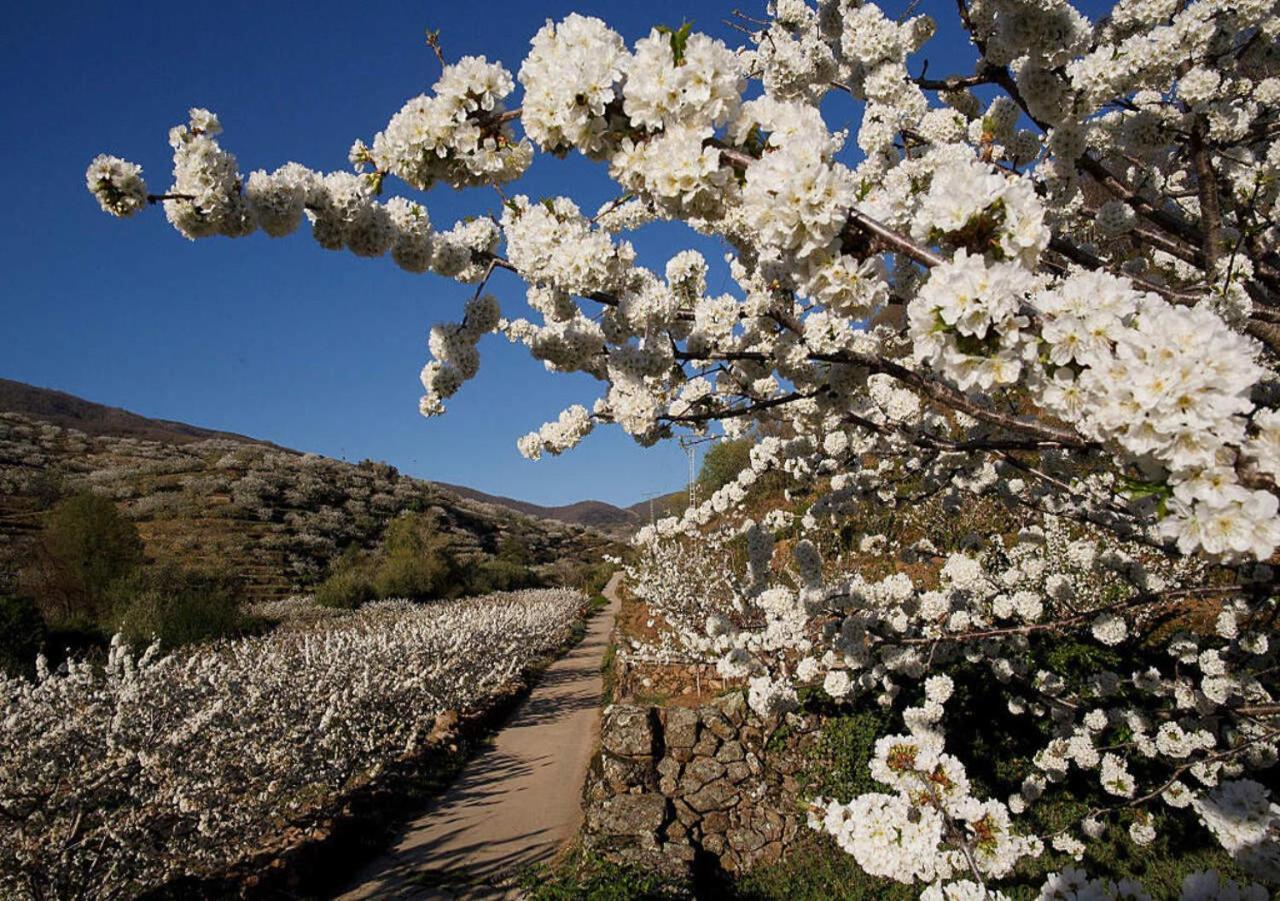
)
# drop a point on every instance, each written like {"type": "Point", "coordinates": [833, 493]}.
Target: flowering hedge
{"type": "Point", "coordinates": [1051, 279]}
{"type": "Point", "coordinates": [116, 780]}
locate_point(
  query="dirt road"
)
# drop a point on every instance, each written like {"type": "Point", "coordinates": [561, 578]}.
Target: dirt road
{"type": "Point", "coordinates": [518, 801]}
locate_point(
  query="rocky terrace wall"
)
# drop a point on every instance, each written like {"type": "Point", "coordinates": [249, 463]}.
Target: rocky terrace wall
{"type": "Point", "coordinates": [675, 787]}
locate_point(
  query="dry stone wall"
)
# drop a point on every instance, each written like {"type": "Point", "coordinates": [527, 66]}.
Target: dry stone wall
{"type": "Point", "coordinates": [675, 787]}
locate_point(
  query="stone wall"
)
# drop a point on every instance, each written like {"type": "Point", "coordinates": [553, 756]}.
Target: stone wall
{"type": "Point", "coordinates": [675, 785]}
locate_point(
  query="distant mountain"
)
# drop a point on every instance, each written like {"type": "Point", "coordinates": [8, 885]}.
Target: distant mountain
{"type": "Point", "coordinates": [70, 412]}
{"type": "Point", "coordinates": [592, 514]}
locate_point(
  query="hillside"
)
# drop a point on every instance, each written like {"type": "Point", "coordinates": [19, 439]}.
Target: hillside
{"type": "Point", "coordinates": [275, 518]}
{"type": "Point", "coordinates": [71, 412]}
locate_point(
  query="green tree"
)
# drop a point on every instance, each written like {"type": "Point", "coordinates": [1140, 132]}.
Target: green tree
{"type": "Point", "coordinates": [176, 606]}
{"type": "Point", "coordinates": [416, 561]}
{"type": "Point", "coordinates": [86, 547]}
{"type": "Point", "coordinates": [722, 464]}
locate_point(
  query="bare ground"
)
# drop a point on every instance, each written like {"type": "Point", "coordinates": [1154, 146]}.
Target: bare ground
{"type": "Point", "coordinates": [518, 802]}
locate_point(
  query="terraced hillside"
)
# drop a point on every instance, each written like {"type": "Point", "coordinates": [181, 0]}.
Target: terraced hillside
{"type": "Point", "coordinates": [274, 517]}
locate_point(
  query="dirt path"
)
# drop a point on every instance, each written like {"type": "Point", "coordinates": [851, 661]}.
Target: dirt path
{"type": "Point", "coordinates": [518, 801]}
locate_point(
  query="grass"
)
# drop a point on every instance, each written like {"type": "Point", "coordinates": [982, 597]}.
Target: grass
{"type": "Point", "coordinates": [581, 874]}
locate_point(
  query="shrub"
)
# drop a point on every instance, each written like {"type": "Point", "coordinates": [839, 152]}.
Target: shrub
{"type": "Point", "coordinates": [416, 562]}
{"type": "Point", "coordinates": [721, 465]}
{"type": "Point", "coordinates": [177, 607]}
{"type": "Point", "coordinates": [22, 635]}
{"type": "Point", "coordinates": [582, 874]}
{"type": "Point", "coordinates": [498, 574]}
{"type": "Point", "coordinates": [417, 576]}
{"type": "Point", "coordinates": [87, 546]}
{"type": "Point", "coordinates": [346, 589]}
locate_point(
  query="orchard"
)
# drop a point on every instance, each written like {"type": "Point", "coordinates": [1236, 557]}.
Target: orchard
{"type": "Point", "coordinates": [1048, 283]}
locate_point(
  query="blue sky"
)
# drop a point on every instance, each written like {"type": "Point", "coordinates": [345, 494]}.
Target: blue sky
{"type": "Point", "coordinates": [280, 339]}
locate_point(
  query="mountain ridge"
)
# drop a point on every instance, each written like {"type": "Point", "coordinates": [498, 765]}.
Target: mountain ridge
{"type": "Point", "coordinates": [72, 412]}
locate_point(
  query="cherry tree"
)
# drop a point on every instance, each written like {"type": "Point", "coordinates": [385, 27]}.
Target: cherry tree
{"type": "Point", "coordinates": [1050, 279]}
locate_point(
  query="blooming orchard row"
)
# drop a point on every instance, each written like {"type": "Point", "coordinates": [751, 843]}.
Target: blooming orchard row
{"type": "Point", "coordinates": [117, 780]}
{"type": "Point", "coordinates": [1052, 278]}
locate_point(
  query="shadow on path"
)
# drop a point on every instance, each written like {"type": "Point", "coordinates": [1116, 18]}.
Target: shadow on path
{"type": "Point", "coordinates": [518, 801]}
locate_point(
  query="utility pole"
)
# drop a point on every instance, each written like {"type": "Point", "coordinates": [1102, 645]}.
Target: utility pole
{"type": "Point", "coordinates": [690, 445]}
{"type": "Point", "coordinates": [649, 498]}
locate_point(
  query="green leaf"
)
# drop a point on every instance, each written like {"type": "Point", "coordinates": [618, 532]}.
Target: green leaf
{"type": "Point", "coordinates": [679, 38]}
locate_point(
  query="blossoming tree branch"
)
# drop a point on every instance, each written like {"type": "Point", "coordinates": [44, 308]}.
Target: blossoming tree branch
{"type": "Point", "coordinates": [1066, 296]}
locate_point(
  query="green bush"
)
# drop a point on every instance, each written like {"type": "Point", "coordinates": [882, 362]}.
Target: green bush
{"type": "Point", "coordinates": [86, 547]}
{"type": "Point", "coordinates": [722, 463]}
{"type": "Point", "coordinates": [589, 578]}
{"type": "Point", "coordinates": [177, 607]}
{"type": "Point", "coordinates": [816, 869]}
{"type": "Point", "coordinates": [346, 589]}
{"type": "Point", "coordinates": [498, 574]}
{"type": "Point", "coordinates": [416, 576]}
{"type": "Point", "coordinates": [22, 635]}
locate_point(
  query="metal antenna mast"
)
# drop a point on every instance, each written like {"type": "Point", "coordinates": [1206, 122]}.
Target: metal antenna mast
{"type": "Point", "coordinates": [690, 445]}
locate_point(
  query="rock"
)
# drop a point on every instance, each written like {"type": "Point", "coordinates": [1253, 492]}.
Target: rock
{"type": "Point", "coordinates": [630, 815]}
{"type": "Point", "coordinates": [681, 851]}
{"type": "Point", "coordinates": [715, 821]}
{"type": "Point", "coordinates": [685, 814]}
{"type": "Point", "coordinates": [738, 772]}
{"type": "Point", "coordinates": [622, 773]}
{"type": "Point", "coordinates": [730, 751]}
{"type": "Point", "coordinates": [713, 796]}
{"type": "Point", "coordinates": [718, 723]}
{"type": "Point", "coordinates": [627, 731]}
{"type": "Point", "coordinates": [669, 767]}
{"type": "Point", "coordinates": [681, 729]}
{"type": "Point", "coordinates": [744, 840]}
{"type": "Point", "coordinates": [699, 772]}
{"type": "Point", "coordinates": [707, 745]}
{"type": "Point", "coordinates": [771, 853]}
{"type": "Point", "coordinates": [715, 844]}
{"type": "Point", "coordinates": [734, 707]}
{"type": "Point", "coordinates": [769, 822]}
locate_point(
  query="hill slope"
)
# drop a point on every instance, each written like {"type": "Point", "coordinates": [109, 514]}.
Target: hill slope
{"type": "Point", "coordinates": [71, 412]}
{"type": "Point", "coordinates": [274, 517]}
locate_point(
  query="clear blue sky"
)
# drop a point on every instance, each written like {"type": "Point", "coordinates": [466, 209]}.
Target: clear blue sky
{"type": "Point", "coordinates": [280, 339]}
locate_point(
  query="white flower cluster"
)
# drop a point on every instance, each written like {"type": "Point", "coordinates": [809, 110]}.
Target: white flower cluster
{"type": "Point", "coordinates": [455, 134]}
{"type": "Point", "coordinates": [972, 205]}
{"type": "Point", "coordinates": [453, 346]}
{"type": "Point", "coordinates": [117, 184]}
{"type": "Point", "coordinates": [690, 80]}
{"type": "Point", "coordinates": [206, 184]}
{"type": "Point", "coordinates": [1166, 384]}
{"type": "Point", "coordinates": [912, 835]}
{"type": "Point", "coordinates": [967, 321]}
{"type": "Point", "coordinates": [1245, 821]}
{"type": "Point", "coordinates": [559, 436]}
{"type": "Point", "coordinates": [571, 77]}
{"type": "Point", "coordinates": [552, 245]}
